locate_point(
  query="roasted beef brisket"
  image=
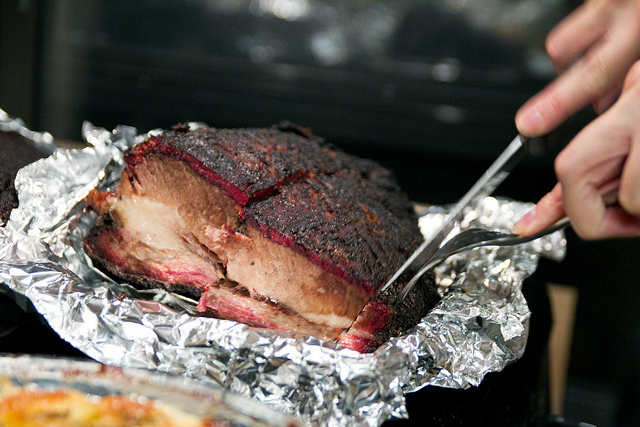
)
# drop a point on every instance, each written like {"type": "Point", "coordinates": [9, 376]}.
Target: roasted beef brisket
{"type": "Point", "coordinates": [16, 151]}
{"type": "Point", "coordinates": [270, 227]}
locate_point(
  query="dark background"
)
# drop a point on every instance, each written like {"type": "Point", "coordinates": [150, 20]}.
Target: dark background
{"type": "Point", "coordinates": [427, 88]}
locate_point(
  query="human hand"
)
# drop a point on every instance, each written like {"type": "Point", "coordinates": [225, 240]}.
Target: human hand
{"type": "Point", "coordinates": [592, 50]}
{"type": "Point", "coordinates": [604, 156]}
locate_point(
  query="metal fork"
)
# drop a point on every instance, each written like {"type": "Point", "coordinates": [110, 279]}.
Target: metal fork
{"type": "Point", "coordinates": [475, 238]}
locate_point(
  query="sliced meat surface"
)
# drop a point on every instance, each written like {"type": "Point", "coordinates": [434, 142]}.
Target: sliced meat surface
{"type": "Point", "coordinates": [270, 227]}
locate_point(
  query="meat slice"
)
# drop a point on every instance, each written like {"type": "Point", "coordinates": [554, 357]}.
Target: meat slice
{"type": "Point", "coordinates": [270, 227]}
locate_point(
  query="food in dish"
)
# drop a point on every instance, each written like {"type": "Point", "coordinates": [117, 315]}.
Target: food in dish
{"type": "Point", "coordinates": [56, 391]}
{"type": "Point", "coordinates": [65, 407]}
{"type": "Point", "coordinates": [271, 227]}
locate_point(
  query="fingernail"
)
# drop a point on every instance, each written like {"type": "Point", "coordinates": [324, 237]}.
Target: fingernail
{"type": "Point", "coordinates": [529, 121]}
{"type": "Point", "coordinates": [523, 223]}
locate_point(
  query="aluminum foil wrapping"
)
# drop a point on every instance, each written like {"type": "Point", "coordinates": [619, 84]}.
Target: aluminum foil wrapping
{"type": "Point", "coordinates": [479, 326]}
{"type": "Point", "coordinates": [42, 140]}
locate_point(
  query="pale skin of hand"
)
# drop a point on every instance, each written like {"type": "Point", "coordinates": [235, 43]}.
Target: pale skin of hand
{"type": "Point", "coordinates": [594, 51]}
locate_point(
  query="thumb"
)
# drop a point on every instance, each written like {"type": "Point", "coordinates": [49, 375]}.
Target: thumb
{"type": "Point", "coordinates": [546, 212]}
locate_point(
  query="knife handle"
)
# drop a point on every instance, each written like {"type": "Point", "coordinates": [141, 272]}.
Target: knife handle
{"type": "Point", "coordinates": [551, 143]}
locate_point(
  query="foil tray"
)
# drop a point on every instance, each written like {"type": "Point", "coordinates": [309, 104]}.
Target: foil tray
{"type": "Point", "coordinates": [479, 326]}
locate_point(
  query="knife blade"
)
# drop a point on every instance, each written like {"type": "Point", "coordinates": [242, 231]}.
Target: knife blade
{"type": "Point", "coordinates": [488, 182]}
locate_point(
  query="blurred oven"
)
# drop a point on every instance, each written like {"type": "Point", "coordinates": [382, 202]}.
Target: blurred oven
{"type": "Point", "coordinates": [427, 87]}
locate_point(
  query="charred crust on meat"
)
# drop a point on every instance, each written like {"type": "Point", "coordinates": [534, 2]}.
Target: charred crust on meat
{"type": "Point", "coordinates": [17, 152]}
{"type": "Point", "coordinates": [209, 313]}
{"type": "Point", "coordinates": [8, 196]}
{"type": "Point", "coordinates": [180, 127]}
{"type": "Point", "coordinates": [287, 126]}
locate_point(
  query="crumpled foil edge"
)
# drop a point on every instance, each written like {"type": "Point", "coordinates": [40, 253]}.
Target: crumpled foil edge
{"type": "Point", "coordinates": [480, 325]}
{"type": "Point", "coordinates": [42, 140]}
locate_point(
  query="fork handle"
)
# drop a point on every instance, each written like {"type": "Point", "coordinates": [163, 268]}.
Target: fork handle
{"type": "Point", "coordinates": [506, 240]}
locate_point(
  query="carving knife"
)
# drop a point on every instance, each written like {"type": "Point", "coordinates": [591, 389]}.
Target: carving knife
{"type": "Point", "coordinates": [487, 183]}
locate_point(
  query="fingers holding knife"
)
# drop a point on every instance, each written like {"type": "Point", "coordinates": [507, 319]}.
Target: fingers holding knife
{"type": "Point", "coordinates": [603, 158]}
{"type": "Point", "coordinates": [594, 50]}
